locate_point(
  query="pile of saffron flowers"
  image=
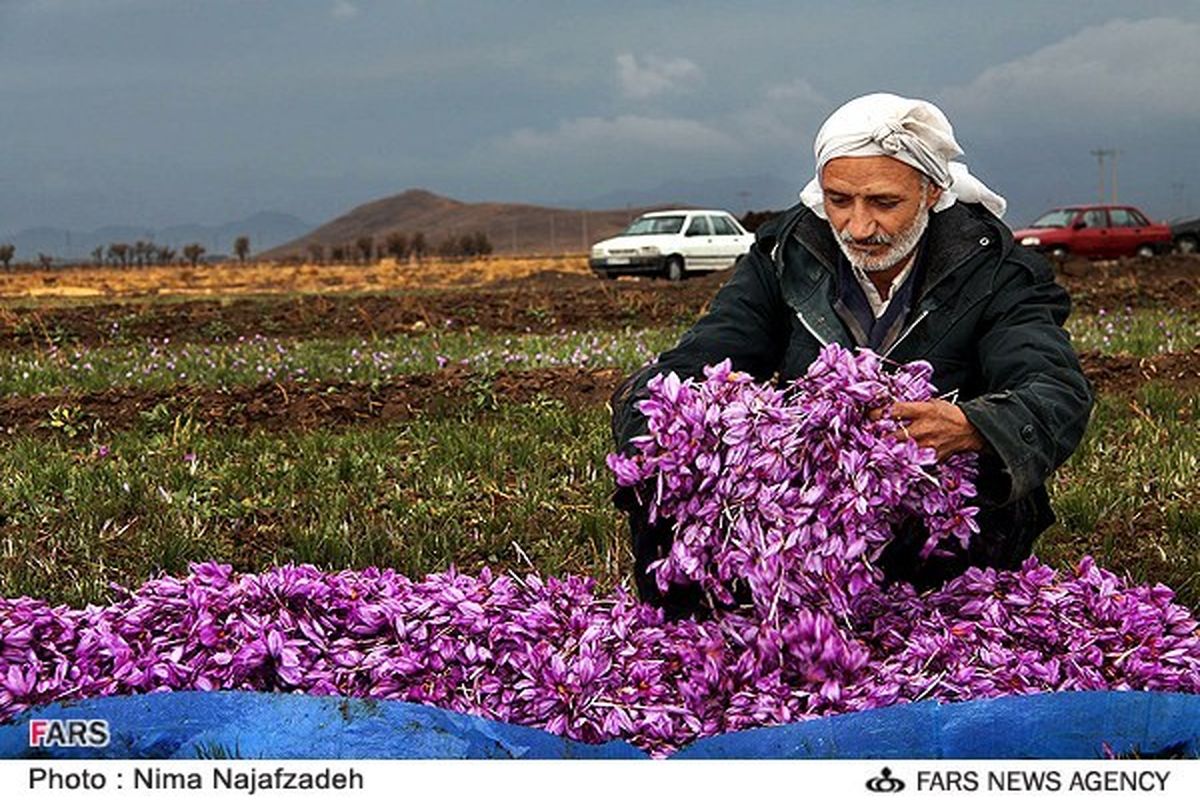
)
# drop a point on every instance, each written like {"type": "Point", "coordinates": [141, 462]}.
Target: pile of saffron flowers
{"type": "Point", "coordinates": [817, 484]}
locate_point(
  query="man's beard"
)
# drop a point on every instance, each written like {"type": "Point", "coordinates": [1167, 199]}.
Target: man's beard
{"type": "Point", "coordinates": [901, 245]}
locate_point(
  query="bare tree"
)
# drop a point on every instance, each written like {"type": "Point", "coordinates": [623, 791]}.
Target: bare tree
{"type": "Point", "coordinates": [476, 244]}
{"type": "Point", "coordinates": [482, 245]}
{"type": "Point", "coordinates": [193, 252]}
{"type": "Point", "coordinates": [45, 261]}
{"type": "Point", "coordinates": [337, 254]}
{"type": "Point", "coordinates": [366, 248]}
{"type": "Point", "coordinates": [241, 247]}
{"type": "Point", "coordinates": [396, 246]}
{"type": "Point", "coordinates": [6, 254]}
{"type": "Point", "coordinates": [166, 255]}
{"type": "Point", "coordinates": [118, 253]}
{"type": "Point", "coordinates": [98, 256]}
{"type": "Point", "coordinates": [141, 252]}
{"type": "Point", "coordinates": [316, 252]}
{"type": "Point", "coordinates": [419, 248]}
{"type": "Point", "coordinates": [450, 248]}
{"type": "Point", "coordinates": [466, 245]}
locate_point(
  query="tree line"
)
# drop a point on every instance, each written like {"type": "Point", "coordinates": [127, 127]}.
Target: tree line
{"type": "Point", "coordinates": [363, 250]}
{"type": "Point", "coordinates": [137, 254]}
{"type": "Point", "coordinates": [401, 247]}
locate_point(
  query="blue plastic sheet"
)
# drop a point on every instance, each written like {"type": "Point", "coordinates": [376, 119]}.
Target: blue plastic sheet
{"type": "Point", "coordinates": [264, 725]}
{"type": "Point", "coordinates": [1057, 725]}
{"type": "Point", "coordinates": [255, 725]}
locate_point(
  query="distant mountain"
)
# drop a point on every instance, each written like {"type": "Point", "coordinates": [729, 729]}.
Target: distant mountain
{"type": "Point", "coordinates": [757, 192]}
{"type": "Point", "coordinates": [510, 227]}
{"type": "Point", "coordinates": [265, 230]}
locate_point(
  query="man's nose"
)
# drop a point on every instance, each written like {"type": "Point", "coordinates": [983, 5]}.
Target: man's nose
{"type": "Point", "coordinates": [861, 224]}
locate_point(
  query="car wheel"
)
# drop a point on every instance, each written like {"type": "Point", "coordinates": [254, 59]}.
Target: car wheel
{"type": "Point", "coordinates": [1059, 253]}
{"type": "Point", "coordinates": [1145, 251]}
{"type": "Point", "coordinates": [674, 268]}
{"type": "Point", "coordinates": [1187, 244]}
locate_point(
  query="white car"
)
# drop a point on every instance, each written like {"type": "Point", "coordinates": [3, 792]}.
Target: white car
{"type": "Point", "coordinates": [672, 243]}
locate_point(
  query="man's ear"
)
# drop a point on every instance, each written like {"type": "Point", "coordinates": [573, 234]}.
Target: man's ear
{"type": "Point", "coordinates": [933, 195]}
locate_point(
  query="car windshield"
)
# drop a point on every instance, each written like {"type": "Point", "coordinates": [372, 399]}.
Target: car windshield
{"type": "Point", "coordinates": [1059, 218]}
{"type": "Point", "coordinates": [644, 226]}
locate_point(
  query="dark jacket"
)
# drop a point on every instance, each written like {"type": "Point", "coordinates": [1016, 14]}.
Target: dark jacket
{"type": "Point", "coordinates": [986, 313]}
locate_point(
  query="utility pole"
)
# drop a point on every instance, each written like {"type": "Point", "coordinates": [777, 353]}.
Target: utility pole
{"type": "Point", "coordinates": [1115, 153]}
{"type": "Point", "coordinates": [1100, 155]}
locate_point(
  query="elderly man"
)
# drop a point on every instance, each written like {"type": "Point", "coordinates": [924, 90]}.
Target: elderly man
{"type": "Point", "coordinates": [897, 248]}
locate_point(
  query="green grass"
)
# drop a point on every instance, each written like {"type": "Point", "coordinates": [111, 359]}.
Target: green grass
{"type": "Point", "coordinates": [160, 365]}
{"type": "Point", "coordinates": [1141, 332]}
{"type": "Point", "coordinates": [1130, 495]}
{"type": "Point", "coordinates": [495, 488]}
{"type": "Point", "coordinates": [487, 486]}
{"type": "Point", "coordinates": [494, 484]}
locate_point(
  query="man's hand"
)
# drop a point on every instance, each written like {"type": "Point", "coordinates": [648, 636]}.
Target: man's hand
{"type": "Point", "coordinates": [934, 423]}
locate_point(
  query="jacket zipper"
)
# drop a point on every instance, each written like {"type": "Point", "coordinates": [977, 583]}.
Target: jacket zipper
{"type": "Point", "coordinates": [906, 332]}
{"type": "Point", "coordinates": [811, 330]}
{"type": "Point", "coordinates": [925, 293]}
{"type": "Point", "coordinates": [777, 257]}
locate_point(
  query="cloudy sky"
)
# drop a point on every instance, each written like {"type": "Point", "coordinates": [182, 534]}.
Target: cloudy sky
{"type": "Point", "coordinates": [158, 112]}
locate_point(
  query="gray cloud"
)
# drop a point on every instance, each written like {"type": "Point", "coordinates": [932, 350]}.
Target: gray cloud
{"type": "Point", "coordinates": [111, 106]}
{"type": "Point", "coordinates": [654, 75]}
{"type": "Point", "coordinates": [1124, 73]}
{"type": "Point", "coordinates": [344, 9]}
{"type": "Point", "coordinates": [781, 115]}
{"type": "Point", "coordinates": [660, 133]}
{"type": "Point", "coordinates": [786, 116]}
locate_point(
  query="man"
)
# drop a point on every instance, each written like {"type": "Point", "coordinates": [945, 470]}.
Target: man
{"type": "Point", "coordinates": [896, 248]}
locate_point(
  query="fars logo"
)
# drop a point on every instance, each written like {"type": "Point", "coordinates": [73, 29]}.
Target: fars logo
{"type": "Point", "coordinates": [68, 733]}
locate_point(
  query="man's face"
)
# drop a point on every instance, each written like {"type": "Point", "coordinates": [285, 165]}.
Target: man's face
{"type": "Point", "coordinates": [878, 208]}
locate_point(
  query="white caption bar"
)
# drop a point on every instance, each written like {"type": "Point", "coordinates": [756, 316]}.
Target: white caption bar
{"type": "Point", "coordinates": [603, 780]}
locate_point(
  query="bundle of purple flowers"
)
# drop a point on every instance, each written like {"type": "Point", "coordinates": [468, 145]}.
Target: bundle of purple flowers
{"type": "Point", "coordinates": [794, 491]}
{"type": "Point", "coordinates": [790, 492]}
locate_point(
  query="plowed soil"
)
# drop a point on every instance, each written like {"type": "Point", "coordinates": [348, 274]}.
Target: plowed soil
{"type": "Point", "coordinates": [541, 303]}
{"type": "Point", "coordinates": [547, 303]}
{"type": "Point", "coordinates": [291, 406]}
{"type": "Point", "coordinates": [284, 406]}
{"type": "Point", "coordinates": [1167, 282]}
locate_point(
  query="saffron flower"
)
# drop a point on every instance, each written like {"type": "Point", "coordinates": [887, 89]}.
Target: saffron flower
{"type": "Point", "coordinates": [785, 495]}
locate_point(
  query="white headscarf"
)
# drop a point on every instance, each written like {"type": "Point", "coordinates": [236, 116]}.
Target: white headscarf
{"type": "Point", "coordinates": [913, 131]}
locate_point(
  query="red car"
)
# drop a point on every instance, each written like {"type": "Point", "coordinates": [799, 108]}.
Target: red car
{"type": "Point", "coordinates": [1096, 232]}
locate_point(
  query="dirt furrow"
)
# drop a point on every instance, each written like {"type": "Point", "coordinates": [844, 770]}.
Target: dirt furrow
{"type": "Point", "coordinates": [302, 406]}
{"type": "Point", "coordinates": [546, 305]}
{"type": "Point", "coordinates": [543, 303]}
{"type": "Point", "coordinates": [283, 406]}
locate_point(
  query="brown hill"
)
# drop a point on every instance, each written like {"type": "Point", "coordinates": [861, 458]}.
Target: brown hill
{"type": "Point", "coordinates": [511, 228]}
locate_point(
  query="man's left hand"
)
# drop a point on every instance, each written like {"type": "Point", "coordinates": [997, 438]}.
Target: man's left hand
{"type": "Point", "coordinates": [937, 424]}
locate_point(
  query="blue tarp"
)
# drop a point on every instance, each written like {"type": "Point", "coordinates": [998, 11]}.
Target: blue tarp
{"type": "Point", "coordinates": [265, 725]}
{"type": "Point", "coordinates": [256, 725]}
{"type": "Point", "coordinates": [1057, 725]}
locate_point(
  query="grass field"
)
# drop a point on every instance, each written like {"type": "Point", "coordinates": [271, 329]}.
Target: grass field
{"type": "Point", "coordinates": [483, 480]}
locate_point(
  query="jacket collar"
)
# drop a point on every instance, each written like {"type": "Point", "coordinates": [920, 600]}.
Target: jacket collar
{"type": "Point", "coordinates": [952, 237]}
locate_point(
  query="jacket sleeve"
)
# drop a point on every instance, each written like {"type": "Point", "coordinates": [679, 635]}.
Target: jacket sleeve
{"type": "Point", "coordinates": [1037, 401]}
{"type": "Point", "coordinates": [745, 323]}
